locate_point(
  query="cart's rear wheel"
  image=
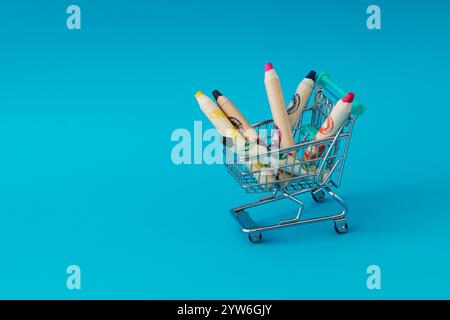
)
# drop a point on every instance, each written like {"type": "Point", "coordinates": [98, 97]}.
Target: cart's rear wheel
{"type": "Point", "coordinates": [318, 196]}
{"type": "Point", "coordinates": [340, 226]}
{"type": "Point", "coordinates": [255, 237]}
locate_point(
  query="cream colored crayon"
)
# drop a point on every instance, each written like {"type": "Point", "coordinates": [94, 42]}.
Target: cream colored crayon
{"type": "Point", "coordinates": [286, 174]}
{"type": "Point", "coordinates": [264, 176]}
{"type": "Point", "coordinates": [236, 117]}
{"type": "Point", "coordinates": [301, 98]}
{"type": "Point", "coordinates": [283, 137]}
{"type": "Point", "coordinates": [221, 123]}
{"type": "Point", "coordinates": [293, 165]}
{"type": "Point", "coordinates": [216, 116]}
{"type": "Point", "coordinates": [278, 107]}
{"type": "Point", "coordinates": [290, 165]}
{"type": "Point", "coordinates": [240, 122]}
{"type": "Point", "coordinates": [227, 129]}
{"type": "Point", "coordinates": [332, 124]}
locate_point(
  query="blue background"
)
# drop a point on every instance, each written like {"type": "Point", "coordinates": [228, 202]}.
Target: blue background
{"type": "Point", "coordinates": [86, 176]}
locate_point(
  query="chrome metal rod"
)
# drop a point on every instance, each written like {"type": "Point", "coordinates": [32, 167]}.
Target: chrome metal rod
{"type": "Point", "coordinates": [261, 202]}
{"type": "Point", "coordinates": [248, 225]}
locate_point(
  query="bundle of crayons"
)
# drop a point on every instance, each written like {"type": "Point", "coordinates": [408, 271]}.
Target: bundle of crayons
{"type": "Point", "coordinates": [233, 126]}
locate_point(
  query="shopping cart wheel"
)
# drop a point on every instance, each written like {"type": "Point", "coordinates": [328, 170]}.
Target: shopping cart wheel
{"type": "Point", "coordinates": [318, 196]}
{"type": "Point", "coordinates": [340, 226]}
{"type": "Point", "coordinates": [255, 237]}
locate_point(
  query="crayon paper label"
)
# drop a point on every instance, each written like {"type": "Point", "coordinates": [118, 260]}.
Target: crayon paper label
{"type": "Point", "coordinates": [327, 127]}
{"type": "Point", "coordinates": [278, 135]}
{"type": "Point", "coordinates": [311, 153]}
{"type": "Point", "coordinates": [216, 114]}
{"type": "Point", "coordinates": [236, 123]}
{"type": "Point", "coordinates": [294, 105]}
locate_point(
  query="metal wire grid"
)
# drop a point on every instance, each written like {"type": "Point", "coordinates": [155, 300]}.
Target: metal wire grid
{"type": "Point", "coordinates": [293, 171]}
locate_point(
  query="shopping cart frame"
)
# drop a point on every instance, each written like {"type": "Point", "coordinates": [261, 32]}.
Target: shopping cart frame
{"type": "Point", "coordinates": [319, 182]}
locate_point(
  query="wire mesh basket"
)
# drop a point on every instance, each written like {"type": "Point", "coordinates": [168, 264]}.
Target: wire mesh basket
{"type": "Point", "coordinates": [326, 168]}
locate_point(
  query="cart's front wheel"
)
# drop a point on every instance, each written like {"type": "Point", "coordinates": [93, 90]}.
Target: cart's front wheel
{"type": "Point", "coordinates": [340, 226]}
{"type": "Point", "coordinates": [255, 237]}
{"type": "Point", "coordinates": [318, 196]}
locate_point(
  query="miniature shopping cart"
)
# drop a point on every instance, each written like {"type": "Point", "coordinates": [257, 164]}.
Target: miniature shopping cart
{"type": "Point", "coordinates": [294, 173]}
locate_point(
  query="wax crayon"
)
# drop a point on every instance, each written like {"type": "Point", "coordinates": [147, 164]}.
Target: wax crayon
{"type": "Point", "coordinates": [291, 166]}
{"type": "Point", "coordinates": [290, 163]}
{"type": "Point", "coordinates": [285, 175]}
{"type": "Point", "coordinates": [222, 124]}
{"type": "Point", "coordinates": [301, 98]}
{"type": "Point", "coordinates": [332, 124]}
{"type": "Point", "coordinates": [283, 137]}
{"type": "Point", "coordinates": [265, 176]}
{"type": "Point", "coordinates": [227, 129]}
{"type": "Point", "coordinates": [236, 118]}
{"type": "Point", "coordinates": [278, 107]}
{"type": "Point", "coordinates": [216, 116]}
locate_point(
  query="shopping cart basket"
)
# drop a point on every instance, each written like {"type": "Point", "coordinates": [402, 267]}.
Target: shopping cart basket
{"type": "Point", "coordinates": [294, 173]}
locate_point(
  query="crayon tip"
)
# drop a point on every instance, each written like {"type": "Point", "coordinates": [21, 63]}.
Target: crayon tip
{"type": "Point", "coordinates": [268, 66]}
{"type": "Point", "coordinates": [311, 75]}
{"type": "Point", "coordinates": [349, 97]}
{"type": "Point", "coordinates": [216, 94]}
{"type": "Point", "coordinates": [199, 93]}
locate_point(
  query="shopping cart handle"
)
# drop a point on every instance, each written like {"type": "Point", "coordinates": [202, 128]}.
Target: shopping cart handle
{"type": "Point", "coordinates": [324, 79]}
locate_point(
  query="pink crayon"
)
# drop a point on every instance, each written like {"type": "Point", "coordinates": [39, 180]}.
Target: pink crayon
{"type": "Point", "coordinates": [268, 66]}
{"type": "Point", "coordinates": [332, 124]}
{"type": "Point", "coordinates": [278, 107]}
